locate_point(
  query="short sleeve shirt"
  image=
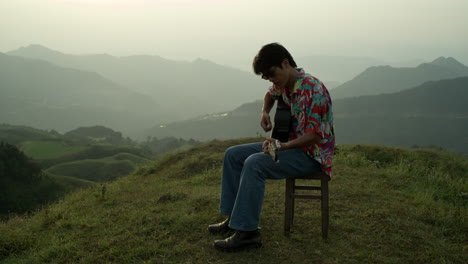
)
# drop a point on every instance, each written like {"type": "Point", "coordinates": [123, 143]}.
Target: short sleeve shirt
{"type": "Point", "coordinates": [311, 109]}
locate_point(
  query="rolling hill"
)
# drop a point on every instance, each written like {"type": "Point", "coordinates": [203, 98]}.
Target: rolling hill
{"type": "Point", "coordinates": [61, 164]}
{"type": "Point", "coordinates": [17, 134]}
{"type": "Point", "coordinates": [99, 170]}
{"type": "Point", "coordinates": [385, 79]}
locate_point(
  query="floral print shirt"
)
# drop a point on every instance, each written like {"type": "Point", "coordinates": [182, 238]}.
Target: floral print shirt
{"type": "Point", "coordinates": [311, 109]}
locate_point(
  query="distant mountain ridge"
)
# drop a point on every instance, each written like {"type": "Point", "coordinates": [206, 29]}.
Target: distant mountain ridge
{"type": "Point", "coordinates": [386, 79]}
{"type": "Point", "coordinates": [40, 94]}
{"type": "Point", "coordinates": [450, 63]}
{"type": "Point", "coordinates": [182, 89]}
{"type": "Point", "coordinates": [336, 68]}
{"type": "Point", "coordinates": [444, 98]}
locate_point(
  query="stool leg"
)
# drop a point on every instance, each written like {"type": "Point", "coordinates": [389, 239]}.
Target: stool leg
{"type": "Point", "coordinates": [325, 209]}
{"type": "Point", "coordinates": [293, 203]}
{"type": "Point", "coordinates": [288, 205]}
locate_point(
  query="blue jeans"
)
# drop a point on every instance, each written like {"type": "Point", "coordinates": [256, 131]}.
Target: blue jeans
{"type": "Point", "coordinates": [245, 170]}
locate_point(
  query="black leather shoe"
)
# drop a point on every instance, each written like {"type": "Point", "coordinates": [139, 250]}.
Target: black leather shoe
{"type": "Point", "coordinates": [220, 228]}
{"type": "Point", "coordinates": [240, 240]}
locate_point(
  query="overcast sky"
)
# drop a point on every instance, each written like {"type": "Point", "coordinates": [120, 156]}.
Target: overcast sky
{"type": "Point", "coordinates": [232, 31]}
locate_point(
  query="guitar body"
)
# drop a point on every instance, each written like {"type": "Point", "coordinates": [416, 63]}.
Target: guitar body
{"type": "Point", "coordinates": [282, 123]}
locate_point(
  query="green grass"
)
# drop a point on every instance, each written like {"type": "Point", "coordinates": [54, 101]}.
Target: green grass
{"type": "Point", "coordinates": [388, 205]}
{"type": "Point", "coordinates": [71, 183]}
{"type": "Point", "coordinates": [49, 149]}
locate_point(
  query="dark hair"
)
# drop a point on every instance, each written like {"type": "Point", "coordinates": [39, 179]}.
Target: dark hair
{"type": "Point", "coordinates": [270, 55]}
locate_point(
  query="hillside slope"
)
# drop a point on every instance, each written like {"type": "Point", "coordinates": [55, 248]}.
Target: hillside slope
{"type": "Point", "coordinates": [388, 205]}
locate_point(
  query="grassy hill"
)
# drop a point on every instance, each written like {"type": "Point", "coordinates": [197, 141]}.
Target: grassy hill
{"type": "Point", "coordinates": [99, 170]}
{"type": "Point", "coordinates": [388, 205]}
{"type": "Point", "coordinates": [94, 152]}
{"type": "Point", "coordinates": [49, 149]}
{"type": "Point", "coordinates": [17, 134]}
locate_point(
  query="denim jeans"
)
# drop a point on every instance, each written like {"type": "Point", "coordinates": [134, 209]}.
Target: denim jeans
{"type": "Point", "coordinates": [245, 170]}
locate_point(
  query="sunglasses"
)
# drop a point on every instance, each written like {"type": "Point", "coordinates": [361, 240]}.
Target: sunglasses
{"type": "Point", "coordinates": [270, 73]}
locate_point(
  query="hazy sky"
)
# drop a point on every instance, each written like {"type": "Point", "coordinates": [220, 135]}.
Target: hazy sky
{"type": "Point", "coordinates": [232, 31]}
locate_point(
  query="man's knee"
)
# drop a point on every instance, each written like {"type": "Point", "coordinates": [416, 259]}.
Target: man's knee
{"type": "Point", "coordinates": [231, 152]}
{"type": "Point", "coordinates": [256, 161]}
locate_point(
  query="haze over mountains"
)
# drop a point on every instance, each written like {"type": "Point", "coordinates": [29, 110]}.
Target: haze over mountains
{"type": "Point", "coordinates": [169, 90]}
{"type": "Point", "coordinates": [180, 89]}
{"type": "Point", "coordinates": [382, 105]}
{"type": "Point", "coordinates": [40, 94]}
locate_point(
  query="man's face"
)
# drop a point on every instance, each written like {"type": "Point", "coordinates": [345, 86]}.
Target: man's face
{"type": "Point", "coordinates": [277, 75]}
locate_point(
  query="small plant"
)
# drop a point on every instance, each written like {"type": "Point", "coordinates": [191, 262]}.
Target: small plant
{"type": "Point", "coordinates": [103, 191]}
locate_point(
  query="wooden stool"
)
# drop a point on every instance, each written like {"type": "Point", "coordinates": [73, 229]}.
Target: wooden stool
{"type": "Point", "coordinates": [291, 188]}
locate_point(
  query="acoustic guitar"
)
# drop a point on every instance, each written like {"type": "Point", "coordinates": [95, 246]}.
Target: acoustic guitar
{"type": "Point", "coordinates": [281, 126]}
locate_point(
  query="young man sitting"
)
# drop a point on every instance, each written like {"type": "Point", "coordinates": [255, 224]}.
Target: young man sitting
{"type": "Point", "coordinates": [310, 147]}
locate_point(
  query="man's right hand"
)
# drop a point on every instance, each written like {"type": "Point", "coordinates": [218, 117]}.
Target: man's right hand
{"type": "Point", "coordinates": [265, 122]}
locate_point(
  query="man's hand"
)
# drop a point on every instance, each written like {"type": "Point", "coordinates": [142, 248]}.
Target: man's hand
{"type": "Point", "coordinates": [267, 145]}
{"type": "Point", "coordinates": [265, 122]}
{"type": "Point", "coordinates": [271, 146]}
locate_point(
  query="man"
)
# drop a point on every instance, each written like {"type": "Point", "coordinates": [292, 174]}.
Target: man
{"type": "Point", "coordinates": [309, 149]}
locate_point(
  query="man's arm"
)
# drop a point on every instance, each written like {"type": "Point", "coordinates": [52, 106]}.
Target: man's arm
{"type": "Point", "coordinates": [305, 140]}
{"type": "Point", "coordinates": [265, 121]}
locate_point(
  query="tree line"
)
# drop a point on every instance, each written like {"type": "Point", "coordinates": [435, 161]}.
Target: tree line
{"type": "Point", "coordinates": [23, 184]}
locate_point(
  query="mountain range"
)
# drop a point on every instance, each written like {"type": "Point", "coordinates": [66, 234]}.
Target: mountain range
{"type": "Point", "coordinates": [180, 89]}
{"type": "Point", "coordinates": [336, 69]}
{"type": "Point", "coordinates": [194, 84]}
{"type": "Point", "coordinates": [43, 95]}
{"type": "Point", "coordinates": [385, 79]}
{"type": "Point", "coordinates": [432, 114]}
{"type": "Point", "coordinates": [332, 69]}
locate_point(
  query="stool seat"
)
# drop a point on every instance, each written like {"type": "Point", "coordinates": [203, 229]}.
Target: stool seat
{"type": "Point", "coordinates": [291, 195]}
